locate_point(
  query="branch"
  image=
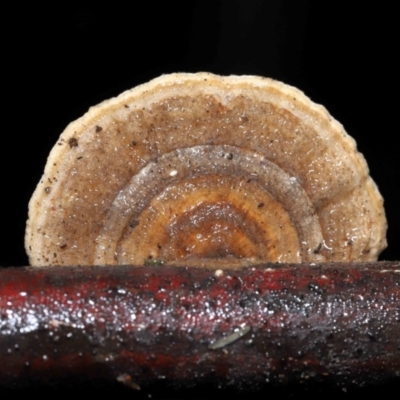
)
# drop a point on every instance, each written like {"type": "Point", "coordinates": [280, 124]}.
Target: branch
{"type": "Point", "coordinates": [281, 324]}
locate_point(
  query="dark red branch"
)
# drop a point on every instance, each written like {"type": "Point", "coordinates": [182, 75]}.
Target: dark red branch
{"type": "Point", "coordinates": [335, 323]}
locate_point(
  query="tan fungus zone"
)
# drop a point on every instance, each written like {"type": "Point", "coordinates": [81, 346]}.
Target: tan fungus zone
{"type": "Point", "coordinates": [223, 214]}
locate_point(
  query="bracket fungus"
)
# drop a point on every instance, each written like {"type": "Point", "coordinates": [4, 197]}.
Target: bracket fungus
{"type": "Point", "coordinates": [206, 170]}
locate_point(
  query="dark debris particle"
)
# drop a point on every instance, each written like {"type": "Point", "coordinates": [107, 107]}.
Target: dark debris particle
{"type": "Point", "coordinates": [73, 142]}
{"type": "Point", "coordinates": [133, 222]}
{"type": "Point", "coordinates": [318, 249]}
{"type": "Point", "coordinates": [47, 189]}
{"type": "Point", "coordinates": [98, 128]}
{"type": "Point", "coordinates": [260, 205]}
{"type": "Point", "coordinates": [63, 246]}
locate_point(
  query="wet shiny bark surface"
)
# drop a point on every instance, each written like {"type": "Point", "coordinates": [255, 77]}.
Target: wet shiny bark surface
{"type": "Point", "coordinates": [282, 324]}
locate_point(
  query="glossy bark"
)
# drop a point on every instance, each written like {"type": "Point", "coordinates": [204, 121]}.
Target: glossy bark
{"type": "Point", "coordinates": [280, 324]}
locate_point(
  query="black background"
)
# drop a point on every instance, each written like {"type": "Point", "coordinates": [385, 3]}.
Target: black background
{"type": "Point", "coordinates": [60, 60]}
